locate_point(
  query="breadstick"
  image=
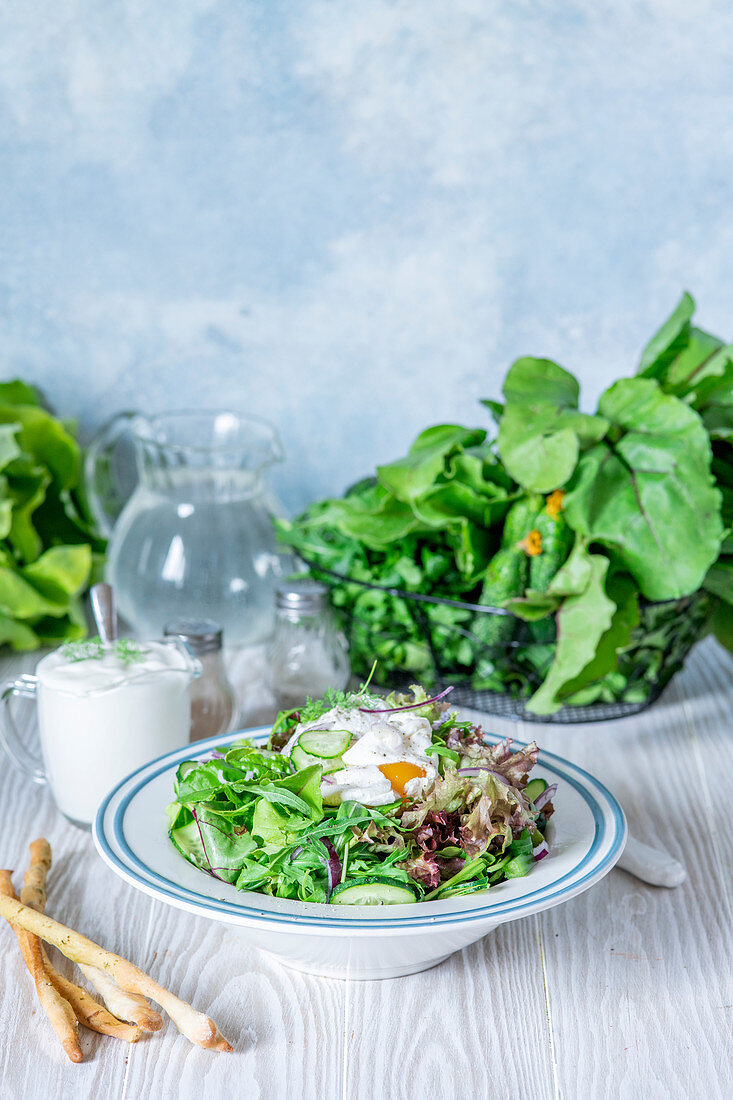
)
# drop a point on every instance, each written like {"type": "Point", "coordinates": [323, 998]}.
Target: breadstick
{"type": "Point", "coordinates": [194, 1025]}
{"type": "Point", "coordinates": [34, 883]}
{"type": "Point", "coordinates": [88, 1011]}
{"type": "Point", "coordinates": [57, 1008]}
{"type": "Point", "coordinates": [128, 1006]}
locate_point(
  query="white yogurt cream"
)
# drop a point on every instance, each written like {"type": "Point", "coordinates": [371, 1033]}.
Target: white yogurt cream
{"type": "Point", "coordinates": [397, 737]}
{"type": "Point", "coordinates": [101, 718]}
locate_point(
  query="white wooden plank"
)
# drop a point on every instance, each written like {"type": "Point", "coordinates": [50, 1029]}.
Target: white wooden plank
{"type": "Point", "coordinates": [474, 1026]}
{"type": "Point", "coordinates": [286, 1027]}
{"type": "Point", "coordinates": [640, 978]}
{"type": "Point", "coordinates": [705, 695]}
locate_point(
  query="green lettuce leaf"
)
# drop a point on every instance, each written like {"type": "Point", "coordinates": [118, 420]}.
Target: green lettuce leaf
{"type": "Point", "coordinates": [47, 440]}
{"type": "Point", "coordinates": [18, 393]}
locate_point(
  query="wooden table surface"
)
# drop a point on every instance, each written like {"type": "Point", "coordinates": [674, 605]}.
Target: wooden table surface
{"type": "Point", "coordinates": [623, 992]}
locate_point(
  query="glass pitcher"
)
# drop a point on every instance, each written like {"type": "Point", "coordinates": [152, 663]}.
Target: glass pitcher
{"type": "Point", "coordinates": [195, 537]}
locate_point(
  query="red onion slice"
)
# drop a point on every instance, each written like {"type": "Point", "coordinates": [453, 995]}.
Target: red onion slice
{"type": "Point", "coordinates": [542, 799]}
{"type": "Point", "coordinates": [332, 863]}
{"type": "Point", "coordinates": [541, 850]}
{"type": "Point", "coordinates": [477, 769]}
{"type": "Point", "coordinates": [410, 706]}
{"type": "Point", "coordinates": [333, 866]}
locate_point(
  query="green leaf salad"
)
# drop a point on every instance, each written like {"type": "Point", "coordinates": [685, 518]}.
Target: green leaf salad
{"type": "Point", "coordinates": [439, 812]}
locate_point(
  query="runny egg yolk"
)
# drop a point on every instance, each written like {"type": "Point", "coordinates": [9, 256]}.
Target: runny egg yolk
{"type": "Point", "coordinates": [399, 775]}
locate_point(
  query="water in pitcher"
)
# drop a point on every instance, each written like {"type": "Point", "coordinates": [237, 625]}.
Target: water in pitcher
{"type": "Point", "coordinates": [198, 543]}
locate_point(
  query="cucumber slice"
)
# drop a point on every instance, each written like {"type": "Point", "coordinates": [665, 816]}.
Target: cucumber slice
{"type": "Point", "coordinates": [373, 890]}
{"type": "Point", "coordinates": [302, 759]}
{"type": "Point", "coordinates": [187, 839]}
{"type": "Point", "coordinates": [325, 744]}
{"type": "Point", "coordinates": [534, 789]}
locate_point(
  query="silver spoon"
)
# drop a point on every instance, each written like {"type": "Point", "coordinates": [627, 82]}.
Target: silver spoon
{"type": "Point", "coordinates": [104, 609]}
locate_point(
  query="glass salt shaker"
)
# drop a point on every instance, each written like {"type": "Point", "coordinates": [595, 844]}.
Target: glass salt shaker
{"type": "Point", "coordinates": [212, 696]}
{"type": "Point", "coordinates": [307, 654]}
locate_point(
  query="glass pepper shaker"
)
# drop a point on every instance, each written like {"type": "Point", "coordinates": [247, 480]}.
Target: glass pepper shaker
{"type": "Point", "coordinates": [307, 654]}
{"type": "Point", "coordinates": [212, 696]}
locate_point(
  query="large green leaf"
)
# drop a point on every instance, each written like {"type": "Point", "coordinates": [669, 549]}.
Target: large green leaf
{"type": "Point", "coordinates": [27, 484]}
{"type": "Point", "coordinates": [454, 500]}
{"type": "Point", "coordinates": [669, 341]}
{"type": "Point", "coordinates": [373, 517]}
{"type": "Point", "coordinates": [715, 401]}
{"type": "Point", "coordinates": [46, 440]}
{"type": "Point", "coordinates": [60, 572]}
{"type": "Point", "coordinates": [721, 625]}
{"type": "Point", "coordinates": [9, 446]}
{"type": "Point", "coordinates": [621, 589]}
{"type": "Point", "coordinates": [719, 579]}
{"type": "Point", "coordinates": [21, 600]}
{"type": "Point", "coordinates": [18, 635]}
{"type": "Point", "coordinates": [18, 393]}
{"type": "Point", "coordinates": [691, 363]}
{"type": "Point", "coordinates": [542, 432]}
{"type": "Point", "coordinates": [650, 495]}
{"type": "Point", "coordinates": [573, 577]}
{"type": "Point", "coordinates": [409, 477]}
{"type": "Point", "coordinates": [582, 621]}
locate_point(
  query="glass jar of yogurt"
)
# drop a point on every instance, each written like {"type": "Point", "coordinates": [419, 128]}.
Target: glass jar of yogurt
{"type": "Point", "coordinates": [103, 711]}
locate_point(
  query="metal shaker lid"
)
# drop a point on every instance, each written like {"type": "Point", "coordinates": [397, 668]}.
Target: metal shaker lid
{"type": "Point", "coordinates": [303, 594]}
{"type": "Point", "coordinates": [200, 635]}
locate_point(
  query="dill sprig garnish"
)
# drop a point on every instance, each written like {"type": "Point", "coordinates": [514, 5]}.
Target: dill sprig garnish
{"type": "Point", "coordinates": [125, 650]}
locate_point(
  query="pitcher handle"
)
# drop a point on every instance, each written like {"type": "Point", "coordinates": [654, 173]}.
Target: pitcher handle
{"type": "Point", "coordinates": [103, 490]}
{"type": "Point", "coordinates": [19, 754]}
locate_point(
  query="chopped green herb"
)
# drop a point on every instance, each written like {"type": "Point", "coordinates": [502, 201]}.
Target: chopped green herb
{"type": "Point", "coordinates": [93, 649]}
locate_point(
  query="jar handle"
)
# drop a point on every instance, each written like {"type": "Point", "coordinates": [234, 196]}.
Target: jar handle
{"type": "Point", "coordinates": [19, 754]}
{"type": "Point", "coordinates": [103, 490]}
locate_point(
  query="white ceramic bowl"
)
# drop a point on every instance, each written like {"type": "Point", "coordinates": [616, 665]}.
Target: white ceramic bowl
{"type": "Point", "coordinates": [130, 832]}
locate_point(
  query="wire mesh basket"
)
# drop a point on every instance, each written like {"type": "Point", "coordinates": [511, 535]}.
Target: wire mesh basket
{"type": "Point", "coordinates": [495, 669]}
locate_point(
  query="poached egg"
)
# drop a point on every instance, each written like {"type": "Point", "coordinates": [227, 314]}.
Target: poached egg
{"type": "Point", "coordinates": [386, 758]}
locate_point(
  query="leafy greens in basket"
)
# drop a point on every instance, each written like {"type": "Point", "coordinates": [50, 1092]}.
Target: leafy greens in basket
{"type": "Point", "coordinates": [278, 821]}
{"type": "Point", "coordinates": [47, 547]}
{"type": "Point", "coordinates": [583, 526]}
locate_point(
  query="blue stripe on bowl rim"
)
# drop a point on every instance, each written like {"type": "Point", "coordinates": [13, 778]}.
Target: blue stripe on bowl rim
{"type": "Point", "coordinates": [132, 866]}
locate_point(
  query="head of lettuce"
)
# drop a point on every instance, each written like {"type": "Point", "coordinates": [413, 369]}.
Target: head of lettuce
{"type": "Point", "coordinates": [49, 550]}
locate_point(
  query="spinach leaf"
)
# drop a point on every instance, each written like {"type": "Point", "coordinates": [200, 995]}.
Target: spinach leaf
{"type": "Point", "coordinates": [542, 431]}
{"type": "Point", "coordinates": [410, 477]}
{"type": "Point", "coordinates": [583, 619]}
{"type": "Point", "coordinates": [650, 495]}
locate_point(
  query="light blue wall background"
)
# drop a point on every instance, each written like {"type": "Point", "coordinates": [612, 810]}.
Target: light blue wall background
{"type": "Point", "coordinates": [350, 217]}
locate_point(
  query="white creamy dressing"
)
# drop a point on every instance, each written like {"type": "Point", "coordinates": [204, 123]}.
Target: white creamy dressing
{"type": "Point", "coordinates": [391, 738]}
{"type": "Point", "coordinates": [101, 718]}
